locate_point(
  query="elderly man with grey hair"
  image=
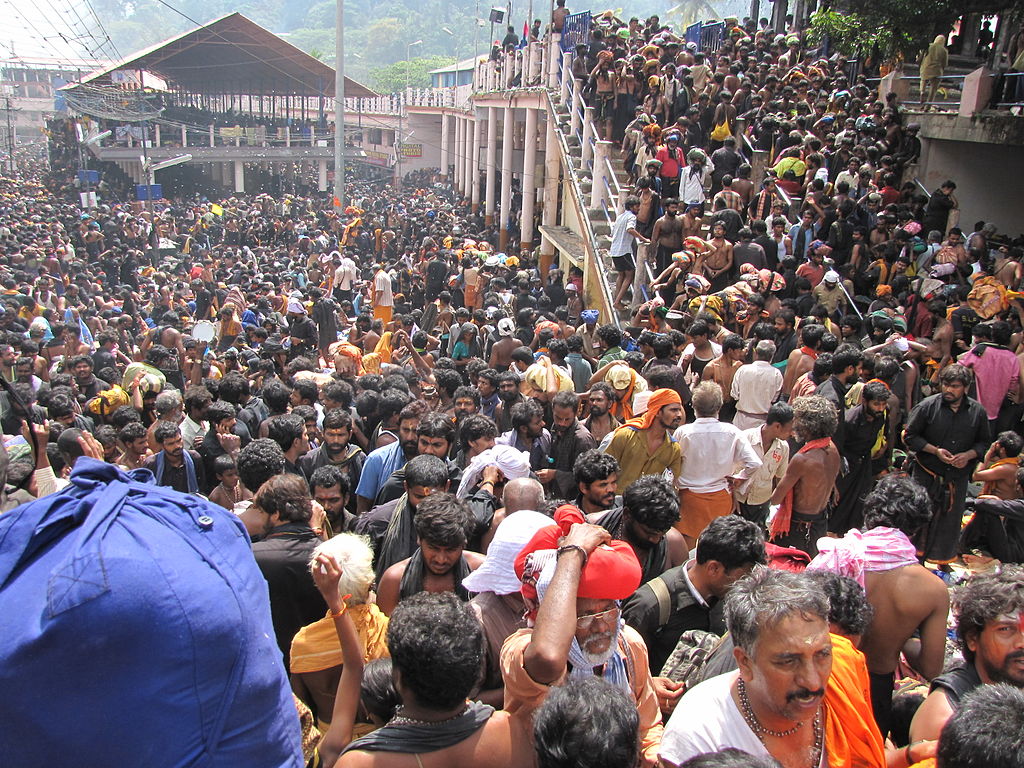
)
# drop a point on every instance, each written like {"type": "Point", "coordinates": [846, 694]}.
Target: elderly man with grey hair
{"type": "Point", "coordinates": [800, 693]}
{"type": "Point", "coordinates": [755, 387]}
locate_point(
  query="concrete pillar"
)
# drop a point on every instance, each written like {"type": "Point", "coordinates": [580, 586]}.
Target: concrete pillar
{"type": "Point", "coordinates": [467, 144]}
{"type": "Point", "coordinates": [212, 142]}
{"type": "Point", "coordinates": [529, 180]}
{"type": "Point", "coordinates": [552, 169]}
{"type": "Point", "coordinates": [239, 176]}
{"type": "Point", "coordinates": [536, 68]}
{"type": "Point", "coordinates": [554, 59]}
{"type": "Point", "coordinates": [445, 138]}
{"type": "Point", "coordinates": [506, 175]}
{"type": "Point", "coordinates": [576, 107]}
{"type": "Point", "coordinates": [492, 161]}
{"type": "Point", "coordinates": [184, 136]}
{"type": "Point", "coordinates": [598, 190]}
{"type": "Point", "coordinates": [321, 175]}
{"type": "Point", "coordinates": [458, 153]}
{"type": "Point", "coordinates": [474, 167]}
{"type": "Point", "coordinates": [588, 135]}
{"type": "Point", "coordinates": [156, 135]}
{"type": "Point", "coordinates": [566, 92]}
{"type": "Point", "coordinates": [976, 92]}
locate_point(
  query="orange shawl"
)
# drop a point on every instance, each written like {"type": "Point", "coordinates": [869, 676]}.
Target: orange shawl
{"type": "Point", "coordinates": [852, 739]}
{"type": "Point", "coordinates": [316, 645]}
{"type": "Point", "coordinates": [989, 486]}
{"type": "Point", "coordinates": [780, 523]}
{"type": "Point", "coordinates": [659, 399]}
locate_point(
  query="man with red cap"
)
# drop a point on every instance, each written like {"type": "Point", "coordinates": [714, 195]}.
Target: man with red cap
{"type": "Point", "coordinates": [574, 576]}
{"type": "Point", "coordinates": [644, 445]}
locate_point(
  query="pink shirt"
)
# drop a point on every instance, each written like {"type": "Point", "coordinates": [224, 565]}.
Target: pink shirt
{"type": "Point", "coordinates": [997, 372]}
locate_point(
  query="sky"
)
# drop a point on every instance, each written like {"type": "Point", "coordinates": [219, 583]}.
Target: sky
{"type": "Point", "coordinates": [50, 28]}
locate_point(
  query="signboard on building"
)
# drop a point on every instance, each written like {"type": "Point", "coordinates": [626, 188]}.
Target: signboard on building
{"type": "Point", "coordinates": [148, 191]}
{"type": "Point", "coordinates": [378, 158]}
{"type": "Point", "coordinates": [411, 150]}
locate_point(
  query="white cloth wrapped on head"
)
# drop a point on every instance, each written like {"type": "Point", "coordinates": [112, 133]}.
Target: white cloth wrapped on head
{"type": "Point", "coordinates": [514, 464]}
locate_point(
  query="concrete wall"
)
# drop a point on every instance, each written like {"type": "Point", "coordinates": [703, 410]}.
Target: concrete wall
{"type": "Point", "coordinates": [989, 179]}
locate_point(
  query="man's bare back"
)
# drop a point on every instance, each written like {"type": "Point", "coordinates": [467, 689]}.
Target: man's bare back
{"type": "Point", "coordinates": [504, 742]}
{"type": "Point", "coordinates": [906, 599]}
{"type": "Point", "coordinates": [816, 478]}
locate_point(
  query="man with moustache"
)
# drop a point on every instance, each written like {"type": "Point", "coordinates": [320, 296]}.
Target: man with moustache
{"type": "Point", "coordinates": [644, 445]}
{"type": "Point", "coordinates": [331, 490]}
{"type": "Point", "coordinates": [597, 478]}
{"type": "Point", "coordinates": [949, 433]}
{"type": "Point", "coordinates": [667, 234]}
{"type": "Point", "coordinates": [574, 576]}
{"type": "Point", "coordinates": [509, 395]}
{"type": "Point", "coordinates": [569, 438]}
{"type": "Point", "coordinates": [650, 507]}
{"type": "Point", "coordinates": [172, 465]}
{"type": "Point", "coordinates": [600, 421]}
{"type": "Point", "coordinates": [382, 463]}
{"type": "Point", "coordinates": [799, 695]}
{"type": "Point", "coordinates": [989, 611]}
{"type": "Point", "coordinates": [336, 450]}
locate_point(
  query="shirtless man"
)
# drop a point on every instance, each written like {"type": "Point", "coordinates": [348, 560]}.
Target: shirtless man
{"type": "Point", "coordinates": [433, 712]}
{"type": "Point", "coordinates": [811, 474]}
{"type": "Point", "coordinates": [801, 360]}
{"type": "Point", "coordinates": [668, 234]}
{"type": "Point", "coordinates": [1008, 270]}
{"type": "Point", "coordinates": [908, 600]}
{"type": "Point", "coordinates": [691, 221]}
{"type": "Point", "coordinates": [442, 527]}
{"type": "Point", "coordinates": [940, 348]}
{"type": "Point", "coordinates": [507, 343]}
{"type": "Point", "coordinates": [716, 264]}
{"type": "Point", "coordinates": [998, 470]}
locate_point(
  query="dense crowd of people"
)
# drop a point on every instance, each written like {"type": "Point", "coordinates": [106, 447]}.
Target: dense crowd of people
{"type": "Point", "coordinates": [288, 484]}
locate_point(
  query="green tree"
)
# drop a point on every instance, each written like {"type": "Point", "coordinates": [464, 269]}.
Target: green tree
{"type": "Point", "coordinates": [416, 72]}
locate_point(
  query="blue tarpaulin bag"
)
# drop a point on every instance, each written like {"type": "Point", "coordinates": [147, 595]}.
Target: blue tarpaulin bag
{"type": "Point", "coordinates": [135, 631]}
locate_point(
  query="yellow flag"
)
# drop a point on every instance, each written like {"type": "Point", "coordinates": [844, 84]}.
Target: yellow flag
{"type": "Point", "coordinates": [216, 210]}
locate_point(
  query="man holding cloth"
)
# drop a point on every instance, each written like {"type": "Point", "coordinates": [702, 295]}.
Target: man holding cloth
{"type": "Point", "coordinates": [574, 576]}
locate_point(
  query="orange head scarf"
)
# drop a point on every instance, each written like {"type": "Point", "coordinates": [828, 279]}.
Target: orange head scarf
{"type": "Point", "coordinates": [658, 400]}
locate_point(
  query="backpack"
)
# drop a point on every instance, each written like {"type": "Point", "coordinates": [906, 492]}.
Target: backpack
{"type": "Point", "coordinates": [141, 615]}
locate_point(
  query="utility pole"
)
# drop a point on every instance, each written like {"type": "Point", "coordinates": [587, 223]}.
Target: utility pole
{"type": "Point", "coordinates": [11, 165]}
{"type": "Point", "coordinates": [339, 104]}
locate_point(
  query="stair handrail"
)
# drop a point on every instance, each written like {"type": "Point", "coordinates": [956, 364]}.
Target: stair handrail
{"type": "Point", "coordinates": [589, 236]}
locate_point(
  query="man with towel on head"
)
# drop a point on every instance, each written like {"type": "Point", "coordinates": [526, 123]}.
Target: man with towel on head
{"type": "Point", "coordinates": [574, 576]}
{"type": "Point", "coordinates": [644, 445]}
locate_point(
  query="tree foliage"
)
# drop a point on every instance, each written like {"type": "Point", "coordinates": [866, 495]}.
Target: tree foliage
{"type": "Point", "coordinates": [392, 78]}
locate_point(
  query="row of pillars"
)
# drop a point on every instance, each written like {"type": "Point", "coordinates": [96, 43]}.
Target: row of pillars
{"type": "Point", "coordinates": [229, 173]}
{"type": "Point", "coordinates": [462, 137]}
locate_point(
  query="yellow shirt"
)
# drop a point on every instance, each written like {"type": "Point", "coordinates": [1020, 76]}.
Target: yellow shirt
{"type": "Point", "coordinates": [629, 446]}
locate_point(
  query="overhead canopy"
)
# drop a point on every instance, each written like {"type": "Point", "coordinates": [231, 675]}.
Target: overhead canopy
{"type": "Point", "coordinates": [233, 54]}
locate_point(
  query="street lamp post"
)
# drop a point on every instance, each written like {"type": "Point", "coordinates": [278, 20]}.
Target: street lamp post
{"type": "Point", "coordinates": [401, 114]}
{"type": "Point", "coordinates": [452, 34]}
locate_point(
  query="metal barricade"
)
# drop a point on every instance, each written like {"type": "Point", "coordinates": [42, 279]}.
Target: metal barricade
{"type": "Point", "coordinates": [711, 36]}
{"type": "Point", "coordinates": [576, 31]}
{"type": "Point", "coordinates": [693, 33]}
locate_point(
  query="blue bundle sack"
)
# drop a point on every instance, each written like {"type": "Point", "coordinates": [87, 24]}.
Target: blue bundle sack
{"type": "Point", "coordinates": [136, 631]}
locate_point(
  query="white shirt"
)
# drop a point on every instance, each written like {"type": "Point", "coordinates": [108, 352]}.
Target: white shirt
{"type": "Point", "coordinates": [713, 451]}
{"type": "Point", "coordinates": [345, 274]}
{"type": "Point", "coordinates": [382, 288]}
{"type": "Point", "coordinates": [622, 241]}
{"type": "Point", "coordinates": [774, 462]}
{"type": "Point", "coordinates": [707, 720]}
{"type": "Point", "coordinates": [755, 386]}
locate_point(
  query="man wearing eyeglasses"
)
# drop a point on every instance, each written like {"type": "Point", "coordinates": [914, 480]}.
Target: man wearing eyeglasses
{"type": "Point", "coordinates": [574, 576]}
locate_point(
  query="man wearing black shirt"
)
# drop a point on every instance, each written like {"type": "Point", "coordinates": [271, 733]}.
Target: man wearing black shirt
{"type": "Point", "coordinates": [727, 550]}
{"type": "Point", "coordinates": [173, 466]}
{"type": "Point", "coordinates": [301, 329]}
{"type": "Point", "coordinates": [949, 433]}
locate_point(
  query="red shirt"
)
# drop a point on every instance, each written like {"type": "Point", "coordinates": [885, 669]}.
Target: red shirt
{"type": "Point", "coordinates": [671, 163]}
